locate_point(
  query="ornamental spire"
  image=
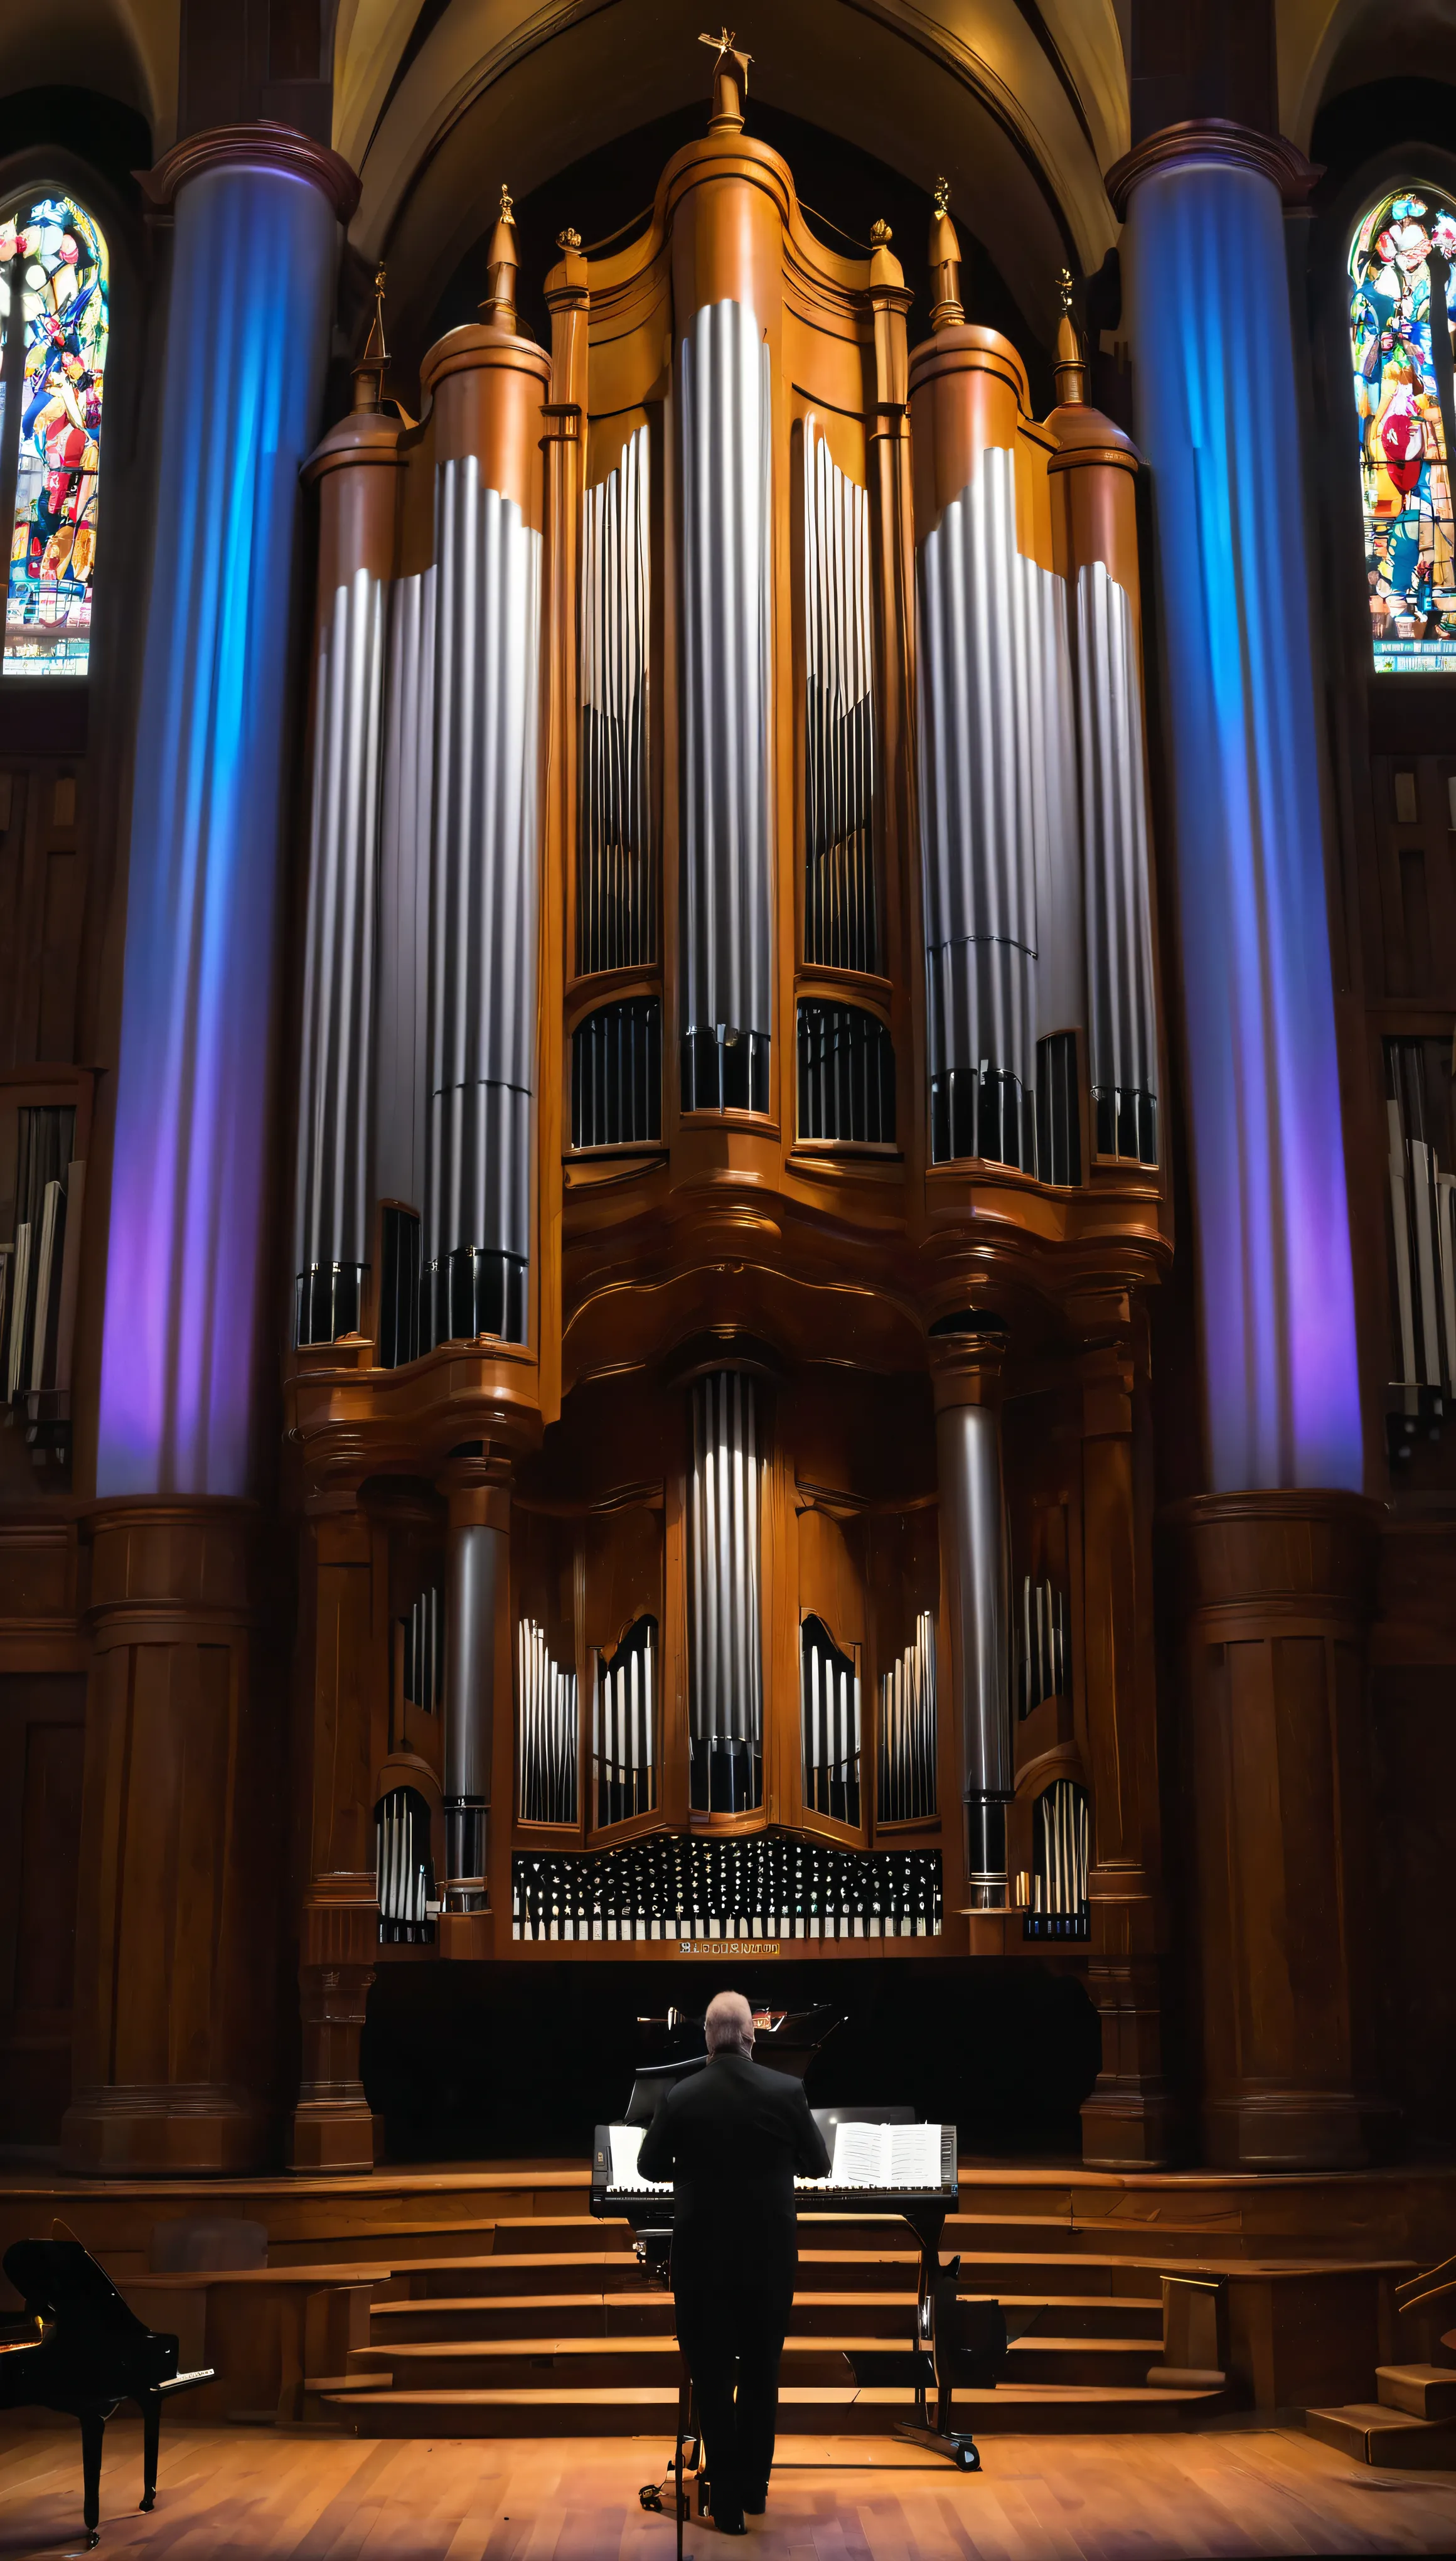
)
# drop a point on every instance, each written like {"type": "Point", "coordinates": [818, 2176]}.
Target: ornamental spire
{"type": "Point", "coordinates": [947, 308]}
{"type": "Point", "coordinates": [1071, 358]}
{"type": "Point", "coordinates": [730, 81]}
{"type": "Point", "coordinates": [498, 311]}
{"type": "Point", "coordinates": [368, 373]}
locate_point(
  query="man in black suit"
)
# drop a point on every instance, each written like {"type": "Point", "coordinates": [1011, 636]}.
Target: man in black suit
{"type": "Point", "coordinates": [731, 2139]}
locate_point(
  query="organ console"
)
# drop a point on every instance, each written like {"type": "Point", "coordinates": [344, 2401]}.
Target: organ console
{"type": "Point", "coordinates": [728, 1146]}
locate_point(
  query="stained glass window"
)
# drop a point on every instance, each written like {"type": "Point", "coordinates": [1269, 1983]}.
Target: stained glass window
{"type": "Point", "coordinates": [53, 267]}
{"type": "Point", "coordinates": [1402, 274]}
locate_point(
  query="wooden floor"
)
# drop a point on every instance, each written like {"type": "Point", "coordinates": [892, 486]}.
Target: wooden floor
{"type": "Point", "coordinates": [232, 2494]}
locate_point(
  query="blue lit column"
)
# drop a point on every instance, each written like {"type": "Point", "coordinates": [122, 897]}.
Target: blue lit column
{"type": "Point", "coordinates": [1278, 1555]}
{"type": "Point", "coordinates": [183, 1856]}
{"type": "Point", "coordinates": [256, 213]}
{"type": "Point", "coordinates": [1219, 423]}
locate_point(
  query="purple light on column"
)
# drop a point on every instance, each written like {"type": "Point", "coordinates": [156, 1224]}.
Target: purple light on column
{"type": "Point", "coordinates": [252, 284]}
{"type": "Point", "coordinates": [1218, 422]}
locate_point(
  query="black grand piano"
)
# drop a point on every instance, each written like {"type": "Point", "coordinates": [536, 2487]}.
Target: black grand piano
{"type": "Point", "coordinates": [954, 2342]}
{"type": "Point", "coordinates": [88, 2354]}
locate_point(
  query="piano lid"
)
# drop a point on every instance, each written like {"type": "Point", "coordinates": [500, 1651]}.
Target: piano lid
{"type": "Point", "coordinates": [60, 2280]}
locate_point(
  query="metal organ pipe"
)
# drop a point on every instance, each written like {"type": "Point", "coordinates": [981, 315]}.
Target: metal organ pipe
{"type": "Point", "coordinates": [624, 1732]}
{"type": "Point", "coordinates": [997, 825]}
{"type": "Point", "coordinates": [488, 386]}
{"type": "Point", "coordinates": [1122, 1021]}
{"type": "Point", "coordinates": [616, 886]}
{"type": "Point", "coordinates": [356, 471]}
{"type": "Point", "coordinates": [333, 1194]}
{"type": "Point", "coordinates": [908, 1738]}
{"type": "Point", "coordinates": [1094, 509]}
{"type": "Point", "coordinates": [974, 1578]}
{"type": "Point", "coordinates": [402, 1055]}
{"type": "Point", "coordinates": [546, 1724]}
{"type": "Point", "coordinates": [1000, 853]}
{"type": "Point", "coordinates": [725, 1578]}
{"type": "Point", "coordinates": [840, 922]}
{"type": "Point", "coordinates": [477, 1586]}
{"type": "Point", "coordinates": [728, 284]}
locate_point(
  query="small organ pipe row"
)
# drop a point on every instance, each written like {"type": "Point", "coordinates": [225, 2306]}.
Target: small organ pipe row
{"type": "Point", "coordinates": [908, 1783]}
{"type": "Point", "coordinates": [546, 1728]}
{"type": "Point", "coordinates": [1422, 1234]}
{"type": "Point", "coordinates": [425, 1652]}
{"type": "Point", "coordinates": [727, 694]}
{"type": "Point", "coordinates": [830, 1715]}
{"type": "Point", "coordinates": [616, 883]}
{"type": "Point", "coordinates": [1060, 1854]}
{"type": "Point", "coordinates": [624, 1726]}
{"type": "Point", "coordinates": [331, 1212]}
{"type": "Point", "coordinates": [404, 1869]}
{"type": "Point", "coordinates": [724, 1580]}
{"type": "Point", "coordinates": [38, 1267]}
{"type": "Point", "coordinates": [840, 922]}
{"type": "Point", "coordinates": [616, 1076]}
{"type": "Point", "coordinates": [684, 1888]}
{"type": "Point", "coordinates": [1045, 1664]}
{"type": "Point", "coordinates": [846, 1074]}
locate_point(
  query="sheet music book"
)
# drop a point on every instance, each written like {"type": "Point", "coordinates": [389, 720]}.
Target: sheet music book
{"type": "Point", "coordinates": [903, 2156]}
{"type": "Point", "coordinates": [626, 2142]}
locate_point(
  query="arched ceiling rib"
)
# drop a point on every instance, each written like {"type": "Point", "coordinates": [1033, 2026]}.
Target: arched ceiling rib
{"type": "Point", "coordinates": [518, 88]}
{"type": "Point", "coordinates": [124, 49]}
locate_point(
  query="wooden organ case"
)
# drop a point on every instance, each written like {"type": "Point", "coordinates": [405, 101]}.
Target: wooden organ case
{"type": "Point", "coordinates": [727, 1163]}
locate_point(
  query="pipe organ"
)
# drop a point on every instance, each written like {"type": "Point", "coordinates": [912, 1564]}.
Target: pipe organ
{"type": "Point", "coordinates": [727, 1138]}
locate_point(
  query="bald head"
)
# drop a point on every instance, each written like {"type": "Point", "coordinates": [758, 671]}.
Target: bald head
{"type": "Point", "coordinates": [729, 2026]}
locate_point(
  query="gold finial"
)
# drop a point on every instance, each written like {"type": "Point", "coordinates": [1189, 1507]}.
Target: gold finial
{"type": "Point", "coordinates": [368, 373]}
{"type": "Point", "coordinates": [947, 308]}
{"type": "Point", "coordinates": [568, 239]}
{"type": "Point", "coordinates": [1071, 364]}
{"type": "Point", "coordinates": [880, 235]}
{"type": "Point", "coordinates": [498, 311]}
{"type": "Point", "coordinates": [730, 81]}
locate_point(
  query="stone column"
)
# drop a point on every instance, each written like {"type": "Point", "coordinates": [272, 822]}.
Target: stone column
{"type": "Point", "coordinates": [346, 1658]}
{"type": "Point", "coordinates": [1279, 1594]}
{"type": "Point", "coordinates": [1278, 1552]}
{"type": "Point", "coordinates": [184, 1851]}
{"type": "Point", "coordinates": [182, 1833]}
{"type": "Point", "coordinates": [1203, 261]}
{"type": "Point", "coordinates": [1125, 2120]}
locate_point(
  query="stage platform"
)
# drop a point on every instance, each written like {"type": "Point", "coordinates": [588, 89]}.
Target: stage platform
{"type": "Point", "coordinates": [486, 2301]}
{"type": "Point", "coordinates": [1254, 2492]}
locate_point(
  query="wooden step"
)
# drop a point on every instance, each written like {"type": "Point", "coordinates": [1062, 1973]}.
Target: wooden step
{"type": "Point", "coordinates": [515, 2270]}
{"type": "Point", "coordinates": [878, 2312]}
{"type": "Point", "coordinates": [449, 2365]}
{"type": "Point", "coordinates": [993, 2272]}
{"type": "Point", "coordinates": [649, 2409]}
{"type": "Point", "coordinates": [1370, 2432]}
{"type": "Point", "coordinates": [518, 2272]}
{"type": "Point", "coordinates": [1421, 2391]}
